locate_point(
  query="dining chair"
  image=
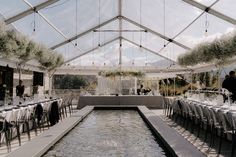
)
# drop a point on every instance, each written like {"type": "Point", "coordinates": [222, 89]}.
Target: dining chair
{"type": "Point", "coordinates": [4, 132]}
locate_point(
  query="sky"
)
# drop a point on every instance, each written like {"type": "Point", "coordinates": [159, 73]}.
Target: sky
{"type": "Point", "coordinates": [151, 14]}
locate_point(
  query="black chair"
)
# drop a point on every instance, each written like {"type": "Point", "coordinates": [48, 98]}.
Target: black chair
{"type": "Point", "coordinates": [32, 118]}
{"type": "Point", "coordinates": [178, 111]}
{"type": "Point", "coordinates": [169, 103]}
{"type": "Point", "coordinates": [196, 117]}
{"type": "Point", "coordinates": [64, 106]}
{"type": "Point", "coordinates": [217, 125]}
{"type": "Point", "coordinates": [23, 120]}
{"type": "Point", "coordinates": [37, 117]}
{"type": "Point", "coordinates": [15, 125]}
{"type": "Point", "coordinates": [54, 113]}
{"type": "Point", "coordinates": [186, 114]}
{"type": "Point", "coordinates": [226, 129]}
{"type": "Point", "coordinates": [232, 122]}
{"type": "Point", "coordinates": [45, 117]}
{"type": "Point", "coordinates": [5, 132]}
{"type": "Point", "coordinates": [164, 105]}
{"type": "Point", "coordinates": [203, 119]}
{"type": "Point", "coordinates": [69, 104]}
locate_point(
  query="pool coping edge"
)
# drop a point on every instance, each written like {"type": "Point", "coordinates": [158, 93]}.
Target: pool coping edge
{"type": "Point", "coordinates": [175, 144]}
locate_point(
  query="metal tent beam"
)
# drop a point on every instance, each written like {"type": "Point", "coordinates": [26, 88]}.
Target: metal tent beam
{"type": "Point", "coordinates": [83, 33]}
{"type": "Point", "coordinates": [29, 11]}
{"type": "Point", "coordinates": [155, 33]}
{"type": "Point", "coordinates": [91, 50]}
{"type": "Point", "coordinates": [211, 11]}
{"type": "Point", "coordinates": [113, 19]}
{"type": "Point", "coordinates": [52, 25]}
{"type": "Point", "coordinates": [120, 33]}
{"type": "Point", "coordinates": [147, 49]}
{"type": "Point", "coordinates": [194, 20]}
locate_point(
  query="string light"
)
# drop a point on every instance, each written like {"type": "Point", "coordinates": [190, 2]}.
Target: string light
{"type": "Point", "coordinates": [133, 49]}
{"type": "Point", "coordinates": [164, 21]}
{"type": "Point", "coordinates": [133, 62]}
{"type": "Point", "coordinates": [99, 48]}
{"type": "Point", "coordinates": [93, 51]}
{"type": "Point", "coordinates": [34, 26]}
{"type": "Point", "coordinates": [76, 20]}
{"type": "Point", "coordinates": [206, 25]}
{"type": "Point", "coordinates": [140, 20]}
{"type": "Point", "coordinates": [146, 57]}
{"type": "Point", "coordinates": [141, 48]}
{"type": "Point", "coordinates": [99, 22]}
{"type": "Point", "coordinates": [104, 38]}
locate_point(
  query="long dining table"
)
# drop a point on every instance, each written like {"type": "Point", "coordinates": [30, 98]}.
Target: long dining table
{"type": "Point", "coordinates": [13, 113]}
{"type": "Point", "coordinates": [228, 109]}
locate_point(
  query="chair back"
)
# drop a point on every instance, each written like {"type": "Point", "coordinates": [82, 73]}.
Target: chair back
{"type": "Point", "coordinates": [15, 114]}
{"type": "Point", "coordinates": [223, 121]}
{"type": "Point", "coordinates": [2, 124]}
{"type": "Point", "coordinates": [199, 111]}
{"type": "Point", "coordinates": [193, 108]}
{"type": "Point", "coordinates": [214, 116]}
{"type": "Point", "coordinates": [207, 114]}
{"type": "Point", "coordinates": [30, 111]}
{"type": "Point", "coordinates": [22, 114]}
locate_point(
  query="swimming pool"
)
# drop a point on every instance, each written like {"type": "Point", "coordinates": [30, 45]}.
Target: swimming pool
{"type": "Point", "coordinates": [109, 133]}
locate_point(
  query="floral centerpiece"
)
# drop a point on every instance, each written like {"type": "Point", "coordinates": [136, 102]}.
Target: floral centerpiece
{"type": "Point", "coordinates": [121, 73]}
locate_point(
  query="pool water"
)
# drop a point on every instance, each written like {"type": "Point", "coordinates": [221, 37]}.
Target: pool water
{"type": "Point", "coordinates": [109, 133]}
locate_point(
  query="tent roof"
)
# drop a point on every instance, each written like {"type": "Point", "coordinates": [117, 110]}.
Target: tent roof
{"type": "Point", "coordinates": [110, 32]}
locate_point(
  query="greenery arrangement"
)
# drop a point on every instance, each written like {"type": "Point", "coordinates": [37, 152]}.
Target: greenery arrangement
{"type": "Point", "coordinates": [175, 87]}
{"type": "Point", "coordinates": [180, 85]}
{"type": "Point", "coordinates": [121, 73]}
{"type": "Point", "coordinates": [15, 45]}
{"type": "Point", "coordinates": [208, 79]}
{"type": "Point", "coordinates": [69, 82]}
{"type": "Point", "coordinates": [218, 51]}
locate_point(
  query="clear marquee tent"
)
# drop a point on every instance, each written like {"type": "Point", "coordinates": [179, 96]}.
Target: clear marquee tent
{"type": "Point", "coordinates": [147, 35]}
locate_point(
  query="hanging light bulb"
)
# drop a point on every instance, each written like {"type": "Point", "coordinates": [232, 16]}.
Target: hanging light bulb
{"type": "Point", "coordinates": [99, 22]}
{"type": "Point", "coordinates": [206, 25]}
{"type": "Point", "coordinates": [34, 26]}
{"type": "Point", "coordinates": [140, 20]}
{"type": "Point", "coordinates": [206, 33]}
{"type": "Point", "coordinates": [34, 32]}
{"type": "Point", "coordinates": [93, 43]}
{"type": "Point", "coordinates": [141, 48]}
{"type": "Point", "coordinates": [76, 21]}
{"type": "Point", "coordinates": [133, 62]}
{"type": "Point", "coordinates": [164, 22]}
{"type": "Point", "coordinates": [99, 48]}
{"type": "Point", "coordinates": [132, 49]}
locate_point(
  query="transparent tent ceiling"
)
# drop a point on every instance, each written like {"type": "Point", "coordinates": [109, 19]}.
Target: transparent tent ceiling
{"type": "Point", "coordinates": [130, 33]}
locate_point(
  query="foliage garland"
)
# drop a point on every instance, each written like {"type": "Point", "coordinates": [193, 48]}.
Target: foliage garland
{"type": "Point", "coordinates": [14, 44]}
{"type": "Point", "coordinates": [218, 51]}
{"type": "Point", "coordinates": [121, 73]}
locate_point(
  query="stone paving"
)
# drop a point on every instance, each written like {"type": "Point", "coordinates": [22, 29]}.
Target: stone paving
{"type": "Point", "coordinates": [15, 143]}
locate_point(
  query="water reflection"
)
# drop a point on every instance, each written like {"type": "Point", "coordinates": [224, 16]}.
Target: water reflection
{"type": "Point", "coordinates": [109, 133]}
